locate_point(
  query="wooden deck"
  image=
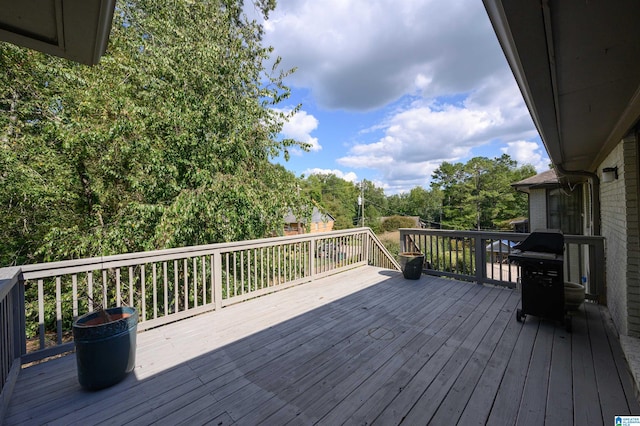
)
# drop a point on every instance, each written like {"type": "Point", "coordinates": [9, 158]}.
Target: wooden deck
{"type": "Point", "coordinates": [360, 347]}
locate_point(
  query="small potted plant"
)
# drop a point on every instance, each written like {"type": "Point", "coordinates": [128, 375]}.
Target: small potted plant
{"type": "Point", "coordinates": [105, 342]}
{"type": "Point", "coordinates": [411, 264]}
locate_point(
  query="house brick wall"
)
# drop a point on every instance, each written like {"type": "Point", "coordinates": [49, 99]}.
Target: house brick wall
{"type": "Point", "coordinates": [630, 155]}
{"type": "Point", "coordinates": [619, 216]}
{"type": "Point", "coordinates": [537, 209]}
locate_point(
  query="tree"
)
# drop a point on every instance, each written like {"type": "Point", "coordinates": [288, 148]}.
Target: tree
{"type": "Point", "coordinates": [167, 142]}
{"type": "Point", "coordinates": [478, 195]}
{"type": "Point", "coordinates": [335, 195]}
{"type": "Point", "coordinates": [375, 204]}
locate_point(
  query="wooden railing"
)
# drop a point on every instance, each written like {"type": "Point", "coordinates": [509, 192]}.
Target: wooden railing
{"type": "Point", "coordinates": [39, 302]}
{"type": "Point", "coordinates": [11, 332]}
{"type": "Point", "coordinates": [482, 257]}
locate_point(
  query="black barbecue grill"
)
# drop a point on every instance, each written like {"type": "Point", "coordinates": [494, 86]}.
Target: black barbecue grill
{"type": "Point", "coordinates": [540, 257]}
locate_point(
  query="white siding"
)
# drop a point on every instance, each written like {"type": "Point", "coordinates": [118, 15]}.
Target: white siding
{"type": "Point", "coordinates": [538, 209]}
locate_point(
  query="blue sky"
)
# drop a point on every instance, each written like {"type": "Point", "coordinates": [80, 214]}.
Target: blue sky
{"type": "Point", "coordinates": [390, 89]}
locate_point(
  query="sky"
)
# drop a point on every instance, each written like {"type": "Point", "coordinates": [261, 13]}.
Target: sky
{"type": "Point", "coordinates": [392, 88]}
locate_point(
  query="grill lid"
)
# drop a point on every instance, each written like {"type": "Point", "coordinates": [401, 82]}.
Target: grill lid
{"type": "Point", "coordinates": [543, 241]}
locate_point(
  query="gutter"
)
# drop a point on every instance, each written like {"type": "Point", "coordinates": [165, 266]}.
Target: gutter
{"type": "Point", "coordinates": [594, 180]}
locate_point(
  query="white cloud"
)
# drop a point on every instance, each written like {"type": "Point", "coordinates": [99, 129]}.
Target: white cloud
{"type": "Point", "coordinates": [299, 127]}
{"type": "Point", "coordinates": [348, 176]}
{"type": "Point", "coordinates": [418, 139]}
{"type": "Point", "coordinates": [360, 55]}
{"type": "Point", "coordinates": [525, 152]}
{"type": "Point", "coordinates": [437, 62]}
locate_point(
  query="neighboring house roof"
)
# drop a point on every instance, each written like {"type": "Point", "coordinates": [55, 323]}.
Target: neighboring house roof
{"type": "Point", "coordinates": [541, 180]}
{"type": "Point", "coordinates": [500, 245]}
{"type": "Point", "coordinates": [316, 217]}
{"type": "Point", "coordinates": [519, 220]}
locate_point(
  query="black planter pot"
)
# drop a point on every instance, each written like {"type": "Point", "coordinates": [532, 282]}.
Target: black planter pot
{"type": "Point", "coordinates": [105, 352]}
{"type": "Point", "coordinates": [411, 264]}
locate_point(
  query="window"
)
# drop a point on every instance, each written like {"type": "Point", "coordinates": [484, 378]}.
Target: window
{"type": "Point", "coordinates": [565, 210]}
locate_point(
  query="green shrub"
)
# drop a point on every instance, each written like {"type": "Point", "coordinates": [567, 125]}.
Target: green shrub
{"type": "Point", "coordinates": [393, 223]}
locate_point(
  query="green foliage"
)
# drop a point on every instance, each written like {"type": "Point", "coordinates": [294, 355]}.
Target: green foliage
{"type": "Point", "coordinates": [478, 195]}
{"type": "Point", "coordinates": [167, 142]}
{"type": "Point", "coordinates": [393, 223]}
{"type": "Point", "coordinates": [427, 204]}
{"type": "Point", "coordinates": [334, 195]}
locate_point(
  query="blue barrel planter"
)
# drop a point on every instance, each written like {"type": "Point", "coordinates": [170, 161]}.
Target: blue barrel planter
{"type": "Point", "coordinates": [105, 351]}
{"type": "Point", "coordinates": [411, 264]}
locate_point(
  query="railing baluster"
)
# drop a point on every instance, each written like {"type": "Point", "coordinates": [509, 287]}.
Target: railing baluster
{"type": "Point", "coordinates": [59, 310]}
{"type": "Point", "coordinates": [248, 269]}
{"type": "Point", "coordinates": [279, 273]}
{"type": "Point", "coordinates": [261, 267]}
{"type": "Point", "coordinates": [235, 274]}
{"type": "Point", "coordinates": [186, 285]}
{"type": "Point", "coordinates": [41, 329]}
{"type": "Point", "coordinates": [155, 290]}
{"type": "Point", "coordinates": [118, 295]}
{"type": "Point", "coordinates": [74, 295]}
{"type": "Point", "coordinates": [165, 283]}
{"type": "Point", "coordinates": [255, 268]}
{"type": "Point", "coordinates": [105, 301]}
{"type": "Point", "coordinates": [143, 292]}
{"type": "Point", "coordinates": [213, 281]}
{"type": "Point", "coordinates": [195, 282]}
{"type": "Point", "coordinates": [204, 280]}
{"type": "Point", "coordinates": [131, 284]}
{"type": "Point", "coordinates": [271, 265]}
{"type": "Point", "coordinates": [242, 272]}
{"type": "Point", "coordinates": [227, 278]}
{"type": "Point", "coordinates": [90, 290]}
{"type": "Point", "coordinates": [176, 287]}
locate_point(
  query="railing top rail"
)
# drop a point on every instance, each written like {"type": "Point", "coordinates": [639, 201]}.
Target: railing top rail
{"type": "Point", "coordinates": [496, 235]}
{"type": "Point", "coordinates": [469, 234]}
{"type": "Point", "coordinates": [79, 265]}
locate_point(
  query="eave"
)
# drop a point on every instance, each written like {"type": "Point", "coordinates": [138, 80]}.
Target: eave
{"type": "Point", "coordinates": [77, 30]}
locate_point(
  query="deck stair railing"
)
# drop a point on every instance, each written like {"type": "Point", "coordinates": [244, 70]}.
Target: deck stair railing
{"type": "Point", "coordinates": [482, 257]}
{"type": "Point", "coordinates": [39, 302]}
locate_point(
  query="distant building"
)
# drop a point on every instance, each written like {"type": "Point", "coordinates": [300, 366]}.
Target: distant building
{"type": "Point", "coordinates": [499, 250]}
{"type": "Point", "coordinates": [555, 206]}
{"type": "Point", "coordinates": [320, 222]}
{"type": "Point", "coordinates": [520, 224]}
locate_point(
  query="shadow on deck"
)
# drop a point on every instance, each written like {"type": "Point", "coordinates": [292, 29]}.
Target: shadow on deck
{"type": "Point", "coordinates": [360, 347]}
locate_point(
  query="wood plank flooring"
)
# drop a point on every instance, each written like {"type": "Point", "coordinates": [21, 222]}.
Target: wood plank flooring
{"type": "Point", "coordinates": [361, 347]}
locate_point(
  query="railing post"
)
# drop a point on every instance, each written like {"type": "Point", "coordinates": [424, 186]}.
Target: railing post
{"type": "Point", "coordinates": [12, 332]}
{"type": "Point", "coordinates": [19, 317]}
{"type": "Point", "coordinates": [217, 280]}
{"type": "Point", "coordinates": [312, 258]}
{"type": "Point", "coordinates": [480, 260]}
{"type": "Point", "coordinates": [366, 240]}
{"type": "Point", "coordinates": [597, 266]}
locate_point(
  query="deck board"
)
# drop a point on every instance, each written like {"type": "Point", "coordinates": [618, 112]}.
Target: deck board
{"type": "Point", "coordinates": [361, 347]}
{"type": "Point", "coordinates": [559, 395]}
{"type": "Point", "coordinates": [586, 403]}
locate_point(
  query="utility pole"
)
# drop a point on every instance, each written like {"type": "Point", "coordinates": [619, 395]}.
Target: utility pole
{"type": "Point", "coordinates": [361, 201]}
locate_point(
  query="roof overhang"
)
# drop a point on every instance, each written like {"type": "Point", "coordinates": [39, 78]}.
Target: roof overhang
{"type": "Point", "coordinates": [577, 64]}
{"type": "Point", "coordinates": [73, 29]}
